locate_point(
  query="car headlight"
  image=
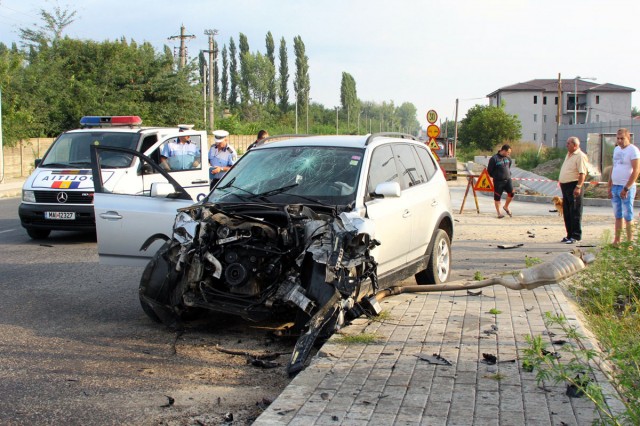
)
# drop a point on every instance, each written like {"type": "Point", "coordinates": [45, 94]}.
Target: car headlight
{"type": "Point", "coordinates": [28, 196]}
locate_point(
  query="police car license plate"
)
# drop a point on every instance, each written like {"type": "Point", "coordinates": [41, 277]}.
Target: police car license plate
{"type": "Point", "coordinates": [60, 215]}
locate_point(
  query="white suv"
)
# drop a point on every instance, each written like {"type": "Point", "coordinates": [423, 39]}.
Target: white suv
{"type": "Point", "coordinates": [302, 228]}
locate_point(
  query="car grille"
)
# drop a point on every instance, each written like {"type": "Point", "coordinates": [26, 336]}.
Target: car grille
{"type": "Point", "coordinates": [73, 197]}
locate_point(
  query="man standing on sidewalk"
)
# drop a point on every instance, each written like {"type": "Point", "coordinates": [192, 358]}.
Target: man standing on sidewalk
{"type": "Point", "coordinates": [572, 176]}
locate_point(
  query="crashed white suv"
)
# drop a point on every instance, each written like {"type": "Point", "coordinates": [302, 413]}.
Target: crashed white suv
{"type": "Point", "coordinates": [305, 229]}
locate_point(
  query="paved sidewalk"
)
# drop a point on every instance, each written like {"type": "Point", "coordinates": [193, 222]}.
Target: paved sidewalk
{"type": "Point", "coordinates": [387, 383]}
{"type": "Point", "coordinates": [11, 187]}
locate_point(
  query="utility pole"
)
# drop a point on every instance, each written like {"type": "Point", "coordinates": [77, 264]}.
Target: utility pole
{"type": "Point", "coordinates": [212, 70]}
{"type": "Point", "coordinates": [455, 130]}
{"type": "Point", "coordinates": [183, 48]}
{"type": "Point", "coordinates": [559, 116]}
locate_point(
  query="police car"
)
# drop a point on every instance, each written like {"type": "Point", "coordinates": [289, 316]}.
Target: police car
{"type": "Point", "coordinates": [59, 193]}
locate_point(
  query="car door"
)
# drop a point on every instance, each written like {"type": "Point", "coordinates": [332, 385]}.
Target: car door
{"type": "Point", "coordinates": [125, 221]}
{"type": "Point", "coordinates": [422, 198]}
{"type": "Point", "coordinates": [392, 220]}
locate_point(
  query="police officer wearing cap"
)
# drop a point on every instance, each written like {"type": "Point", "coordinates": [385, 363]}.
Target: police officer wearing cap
{"type": "Point", "coordinates": [221, 156]}
{"type": "Point", "coordinates": [181, 153]}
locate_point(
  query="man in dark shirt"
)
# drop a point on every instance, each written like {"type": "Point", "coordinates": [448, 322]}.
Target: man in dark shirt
{"type": "Point", "coordinates": [499, 169]}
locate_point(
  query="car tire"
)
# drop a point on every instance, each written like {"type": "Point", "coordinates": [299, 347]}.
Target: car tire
{"type": "Point", "coordinates": [155, 284]}
{"type": "Point", "coordinates": [38, 234]}
{"type": "Point", "coordinates": [439, 264]}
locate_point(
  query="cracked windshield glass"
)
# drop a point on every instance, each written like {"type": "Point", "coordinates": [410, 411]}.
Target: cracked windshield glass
{"type": "Point", "coordinates": [326, 175]}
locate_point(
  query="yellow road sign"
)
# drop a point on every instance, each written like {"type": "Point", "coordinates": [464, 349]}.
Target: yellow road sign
{"type": "Point", "coordinates": [484, 182]}
{"type": "Point", "coordinates": [433, 131]}
{"type": "Point", "coordinates": [432, 116]}
{"type": "Point", "coordinates": [433, 144]}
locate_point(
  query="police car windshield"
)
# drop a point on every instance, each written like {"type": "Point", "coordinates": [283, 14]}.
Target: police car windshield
{"type": "Point", "coordinates": [316, 174]}
{"type": "Point", "coordinates": [73, 150]}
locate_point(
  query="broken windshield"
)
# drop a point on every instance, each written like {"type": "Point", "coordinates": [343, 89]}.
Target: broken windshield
{"type": "Point", "coordinates": [327, 174]}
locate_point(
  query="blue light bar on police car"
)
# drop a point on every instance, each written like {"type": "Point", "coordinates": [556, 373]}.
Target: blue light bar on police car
{"type": "Point", "coordinates": [115, 120]}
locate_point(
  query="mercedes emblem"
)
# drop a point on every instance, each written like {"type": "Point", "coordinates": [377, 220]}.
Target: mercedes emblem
{"type": "Point", "coordinates": [62, 197]}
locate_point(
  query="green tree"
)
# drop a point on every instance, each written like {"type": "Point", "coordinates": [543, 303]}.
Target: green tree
{"type": "Point", "coordinates": [283, 79]}
{"type": "Point", "coordinates": [224, 78]}
{"type": "Point", "coordinates": [54, 23]}
{"type": "Point", "coordinates": [349, 96]}
{"type": "Point", "coordinates": [486, 127]}
{"type": "Point", "coordinates": [407, 118]}
{"type": "Point", "coordinates": [244, 69]}
{"type": "Point", "coordinates": [271, 55]}
{"type": "Point", "coordinates": [301, 84]}
{"type": "Point", "coordinates": [261, 74]}
{"type": "Point", "coordinates": [233, 74]}
{"type": "Point", "coordinates": [635, 112]}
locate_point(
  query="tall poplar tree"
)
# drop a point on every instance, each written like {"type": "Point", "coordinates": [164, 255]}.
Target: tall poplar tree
{"type": "Point", "coordinates": [349, 96]}
{"type": "Point", "coordinates": [283, 92]}
{"type": "Point", "coordinates": [244, 69]}
{"type": "Point", "coordinates": [233, 74]}
{"type": "Point", "coordinates": [271, 55]}
{"type": "Point", "coordinates": [224, 78]}
{"type": "Point", "coordinates": [301, 83]}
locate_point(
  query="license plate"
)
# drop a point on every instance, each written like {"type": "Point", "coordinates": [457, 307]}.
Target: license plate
{"type": "Point", "coordinates": [60, 215]}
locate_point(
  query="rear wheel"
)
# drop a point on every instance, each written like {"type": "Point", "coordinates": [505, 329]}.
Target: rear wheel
{"type": "Point", "coordinates": [439, 265]}
{"type": "Point", "coordinates": [38, 234]}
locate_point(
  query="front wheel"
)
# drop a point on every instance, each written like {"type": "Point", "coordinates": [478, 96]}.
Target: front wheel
{"type": "Point", "coordinates": [38, 234]}
{"type": "Point", "coordinates": [439, 265]}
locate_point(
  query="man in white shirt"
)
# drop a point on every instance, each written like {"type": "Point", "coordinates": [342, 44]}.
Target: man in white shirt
{"type": "Point", "coordinates": [622, 183]}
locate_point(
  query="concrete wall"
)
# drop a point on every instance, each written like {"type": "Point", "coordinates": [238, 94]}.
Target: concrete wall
{"type": "Point", "coordinates": [19, 160]}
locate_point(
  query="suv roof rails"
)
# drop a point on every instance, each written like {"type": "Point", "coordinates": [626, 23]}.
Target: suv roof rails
{"type": "Point", "coordinates": [277, 138]}
{"type": "Point", "coordinates": [389, 135]}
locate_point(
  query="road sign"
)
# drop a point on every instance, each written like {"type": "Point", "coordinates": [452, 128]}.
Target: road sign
{"type": "Point", "coordinates": [433, 144]}
{"type": "Point", "coordinates": [432, 116]}
{"type": "Point", "coordinates": [484, 182]}
{"type": "Point", "coordinates": [435, 154]}
{"type": "Point", "coordinates": [433, 131]}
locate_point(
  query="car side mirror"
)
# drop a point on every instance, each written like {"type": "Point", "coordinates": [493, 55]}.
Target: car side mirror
{"type": "Point", "coordinates": [37, 162]}
{"type": "Point", "coordinates": [161, 189]}
{"type": "Point", "coordinates": [388, 189]}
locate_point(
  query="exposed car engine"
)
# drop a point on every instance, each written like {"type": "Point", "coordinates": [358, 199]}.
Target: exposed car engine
{"type": "Point", "coordinates": [257, 261]}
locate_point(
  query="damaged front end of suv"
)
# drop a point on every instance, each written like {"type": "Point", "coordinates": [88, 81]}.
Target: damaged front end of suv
{"type": "Point", "coordinates": [306, 265]}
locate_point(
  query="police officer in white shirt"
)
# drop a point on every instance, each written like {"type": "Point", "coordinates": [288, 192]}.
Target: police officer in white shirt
{"type": "Point", "coordinates": [221, 156]}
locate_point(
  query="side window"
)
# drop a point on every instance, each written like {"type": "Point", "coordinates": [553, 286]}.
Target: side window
{"type": "Point", "coordinates": [178, 154]}
{"type": "Point", "coordinates": [411, 170]}
{"type": "Point", "coordinates": [427, 162]}
{"type": "Point", "coordinates": [382, 168]}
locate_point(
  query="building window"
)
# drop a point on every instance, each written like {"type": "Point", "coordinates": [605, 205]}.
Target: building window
{"type": "Point", "coordinates": [597, 118]}
{"type": "Point", "coordinates": [535, 136]}
{"type": "Point", "coordinates": [544, 118]}
{"type": "Point", "coordinates": [556, 100]}
{"type": "Point", "coordinates": [597, 99]}
{"type": "Point", "coordinates": [544, 137]}
{"type": "Point", "coordinates": [544, 100]}
{"type": "Point", "coordinates": [535, 99]}
{"type": "Point", "coordinates": [535, 118]}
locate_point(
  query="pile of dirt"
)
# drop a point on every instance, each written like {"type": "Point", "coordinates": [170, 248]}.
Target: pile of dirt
{"type": "Point", "coordinates": [548, 168]}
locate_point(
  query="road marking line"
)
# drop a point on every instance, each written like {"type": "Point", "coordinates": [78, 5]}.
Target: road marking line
{"type": "Point", "coordinates": [8, 230]}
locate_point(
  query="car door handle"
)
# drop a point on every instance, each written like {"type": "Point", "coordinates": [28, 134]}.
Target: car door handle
{"type": "Point", "coordinates": [111, 215]}
{"type": "Point", "coordinates": [406, 213]}
{"type": "Point", "coordinates": [434, 203]}
{"type": "Point", "coordinates": [200, 181]}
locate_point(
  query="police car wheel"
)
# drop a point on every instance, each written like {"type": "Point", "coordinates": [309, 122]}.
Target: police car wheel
{"type": "Point", "coordinates": [38, 234]}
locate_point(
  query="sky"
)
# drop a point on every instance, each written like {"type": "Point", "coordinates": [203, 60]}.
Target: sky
{"type": "Point", "coordinates": [427, 52]}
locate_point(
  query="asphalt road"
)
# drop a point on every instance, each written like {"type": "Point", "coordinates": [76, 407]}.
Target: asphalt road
{"type": "Point", "coordinates": [76, 347]}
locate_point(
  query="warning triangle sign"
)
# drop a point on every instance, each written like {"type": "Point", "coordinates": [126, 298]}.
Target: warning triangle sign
{"type": "Point", "coordinates": [433, 144]}
{"type": "Point", "coordinates": [435, 154]}
{"type": "Point", "coordinates": [484, 182]}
